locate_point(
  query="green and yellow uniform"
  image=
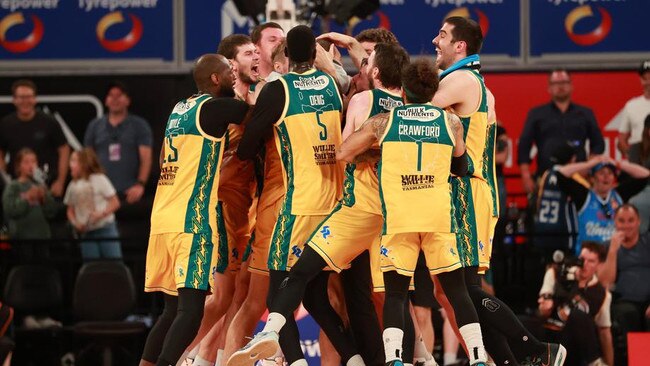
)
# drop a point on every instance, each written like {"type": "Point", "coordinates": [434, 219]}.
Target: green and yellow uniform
{"type": "Point", "coordinates": [355, 223]}
{"type": "Point", "coordinates": [306, 136]}
{"type": "Point", "coordinates": [184, 219]}
{"type": "Point", "coordinates": [475, 195]}
{"type": "Point", "coordinates": [415, 192]}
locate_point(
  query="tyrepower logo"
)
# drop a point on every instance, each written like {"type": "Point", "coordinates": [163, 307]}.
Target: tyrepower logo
{"type": "Point", "coordinates": [122, 44]}
{"type": "Point", "coordinates": [483, 20]}
{"type": "Point", "coordinates": [17, 20]}
{"type": "Point", "coordinates": [592, 37]}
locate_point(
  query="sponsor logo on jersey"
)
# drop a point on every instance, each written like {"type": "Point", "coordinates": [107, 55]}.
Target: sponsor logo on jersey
{"type": "Point", "coordinates": [311, 82]}
{"type": "Point", "coordinates": [417, 181]}
{"type": "Point", "coordinates": [418, 113]}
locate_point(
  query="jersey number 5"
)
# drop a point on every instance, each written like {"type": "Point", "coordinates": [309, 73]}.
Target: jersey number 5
{"type": "Point", "coordinates": [173, 156]}
{"type": "Point", "coordinates": [323, 133]}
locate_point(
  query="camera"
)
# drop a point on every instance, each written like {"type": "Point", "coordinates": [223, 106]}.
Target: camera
{"type": "Point", "coordinates": [566, 285]}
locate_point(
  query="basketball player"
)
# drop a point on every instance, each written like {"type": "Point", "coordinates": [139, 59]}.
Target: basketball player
{"type": "Point", "coordinates": [463, 91]}
{"type": "Point", "coordinates": [183, 246]}
{"type": "Point", "coordinates": [303, 109]}
{"type": "Point", "coordinates": [418, 143]}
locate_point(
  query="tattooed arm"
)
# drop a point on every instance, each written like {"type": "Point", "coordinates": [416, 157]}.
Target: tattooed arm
{"type": "Point", "coordinates": [362, 139]}
{"type": "Point", "coordinates": [457, 130]}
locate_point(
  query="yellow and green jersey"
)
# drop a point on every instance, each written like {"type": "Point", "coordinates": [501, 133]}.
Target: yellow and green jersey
{"type": "Point", "coordinates": [307, 136]}
{"type": "Point", "coordinates": [414, 170]}
{"type": "Point", "coordinates": [186, 197]}
{"type": "Point", "coordinates": [480, 139]}
{"type": "Point", "coordinates": [361, 185]}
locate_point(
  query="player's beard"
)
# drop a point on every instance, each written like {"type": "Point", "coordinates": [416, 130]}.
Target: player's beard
{"type": "Point", "coordinates": [371, 82]}
{"type": "Point", "coordinates": [246, 78]}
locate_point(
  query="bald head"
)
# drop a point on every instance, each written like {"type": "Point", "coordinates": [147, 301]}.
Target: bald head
{"type": "Point", "coordinates": [213, 74]}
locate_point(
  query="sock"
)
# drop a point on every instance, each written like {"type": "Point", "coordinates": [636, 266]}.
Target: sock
{"type": "Point", "coordinates": [300, 362]}
{"type": "Point", "coordinates": [449, 358]}
{"type": "Point", "coordinates": [355, 360]}
{"type": "Point", "coordinates": [471, 334]}
{"type": "Point", "coordinates": [408, 364]}
{"type": "Point", "coordinates": [219, 357]}
{"type": "Point", "coordinates": [274, 322]}
{"type": "Point", "coordinates": [393, 343]}
{"type": "Point", "coordinates": [420, 352]}
{"type": "Point", "coordinates": [200, 361]}
{"type": "Point", "coordinates": [182, 358]}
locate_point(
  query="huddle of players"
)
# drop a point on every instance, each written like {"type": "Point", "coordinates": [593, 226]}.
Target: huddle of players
{"type": "Point", "coordinates": [418, 177]}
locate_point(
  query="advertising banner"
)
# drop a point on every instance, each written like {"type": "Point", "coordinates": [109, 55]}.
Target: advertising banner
{"type": "Point", "coordinates": [86, 30]}
{"type": "Point", "coordinates": [587, 27]}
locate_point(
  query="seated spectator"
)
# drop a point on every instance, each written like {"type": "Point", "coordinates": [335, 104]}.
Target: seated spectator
{"type": "Point", "coordinates": [92, 202]}
{"type": "Point", "coordinates": [555, 223]}
{"type": "Point", "coordinates": [628, 267]}
{"type": "Point", "coordinates": [640, 153]}
{"type": "Point", "coordinates": [575, 304]}
{"type": "Point", "coordinates": [597, 205]}
{"type": "Point", "coordinates": [28, 204]}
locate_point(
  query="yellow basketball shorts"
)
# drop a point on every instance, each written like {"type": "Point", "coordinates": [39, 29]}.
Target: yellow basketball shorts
{"type": "Point", "coordinates": [234, 234]}
{"type": "Point", "coordinates": [267, 215]}
{"type": "Point", "coordinates": [473, 212]}
{"type": "Point", "coordinates": [399, 252]}
{"type": "Point", "coordinates": [180, 260]}
{"type": "Point", "coordinates": [345, 234]}
{"type": "Point", "coordinates": [290, 235]}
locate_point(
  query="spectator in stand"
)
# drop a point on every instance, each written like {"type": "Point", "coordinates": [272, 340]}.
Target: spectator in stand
{"type": "Point", "coordinates": [27, 205]}
{"type": "Point", "coordinates": [556, 217]}
{"type": "Point", "coordinates": [598, 204]}
{"type": "Point", "coordinates": [31, 128]}
{"type": "Point", "coordinates": [122, 142]}
{"type": "Point", "coordinates": [92, 202]}
{"type": "Point", "coordinates": [576, 308]}
{"type": "Point", "coordinates": [628, 266]}
{"type": "Point", "coordinates": [640, 153]}
{"type": "Point", "coordinates": [553, 123]}
{"type": "Point", "coordinates": [635, 112]}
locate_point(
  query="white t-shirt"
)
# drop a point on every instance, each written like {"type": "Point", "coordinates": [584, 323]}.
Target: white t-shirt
{"type": "Point", "coordinates": [88, 195]}
{"type": "Point", "coordinates": [634, 114]}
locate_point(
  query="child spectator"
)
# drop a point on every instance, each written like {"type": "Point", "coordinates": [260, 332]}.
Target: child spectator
{"type": "Point", "coordinates": [28, 204]}
{"type": "Point", "coordinates": [92, 202]}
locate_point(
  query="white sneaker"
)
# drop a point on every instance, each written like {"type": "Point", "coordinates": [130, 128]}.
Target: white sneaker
{"type": "Point", "coordinates": [30, 322]}
{"type": "Point", "coordinates": [49, 323]}
{"type": "Point", "coordinates": [263, 345]}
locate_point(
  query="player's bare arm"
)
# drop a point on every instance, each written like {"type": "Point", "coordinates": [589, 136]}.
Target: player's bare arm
{"type": "Point", "coordinates": [358, 109]}
{"type": "Point", "coordinates": [460, 91]}
{"type": "Point", "coordinates": [457, 130]}
{"type": "Point", "coordinates": [362, 139]}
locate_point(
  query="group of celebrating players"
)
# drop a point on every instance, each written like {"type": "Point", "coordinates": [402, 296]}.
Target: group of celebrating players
{"type": "Point", "coordinates": [282, 169]}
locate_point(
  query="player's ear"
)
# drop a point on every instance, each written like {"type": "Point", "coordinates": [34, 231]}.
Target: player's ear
{"type": "Point", "coordinates": [214, 77]}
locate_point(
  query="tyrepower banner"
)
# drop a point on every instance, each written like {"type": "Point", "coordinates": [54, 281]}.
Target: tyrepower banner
{"type": "Point", "coordinates": [588, 27]}
{"type": "Point", "coordinates": [82, 30]}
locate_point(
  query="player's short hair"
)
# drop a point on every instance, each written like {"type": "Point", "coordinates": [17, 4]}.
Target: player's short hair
{"type": "Point", "coordinates": [390, 59]}
{"type": "Point", "coordinates": [594, 247]}
{"type": "Point", "coordinates": [420, 80]}
{"type": "Point", "coordinates": [23, 82]}
{"type": "Point", "coordinates": [558, 70]}
{"type": "Point", "coordinates": [468, 31]}
{"type": "Point", "coordinates": [278, 51]}
{"type": "Point", "coordinates": [228, 46]}
{"type": "Point", "coordinates": [376, 35]}
{"type": "Point", "coordinates": [256, 33]}
{"type": "Point", "coordinates": [301, 43]}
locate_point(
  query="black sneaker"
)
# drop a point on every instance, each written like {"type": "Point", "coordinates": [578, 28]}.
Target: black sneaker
{"type": "Point", "coordinates": [554, 355]}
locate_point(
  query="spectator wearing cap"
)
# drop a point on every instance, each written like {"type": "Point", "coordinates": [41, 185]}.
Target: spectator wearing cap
{"type": "Point", "coordinates": [556, 217]}
{"type": "Point", "coordinates": [635, 112]}
{"type": "Point", "coordinates": [553, 122]}
{"type": "Point", "coordinates": [596, 206]}
{"type": "Point", "coordinates": [122, 142]}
